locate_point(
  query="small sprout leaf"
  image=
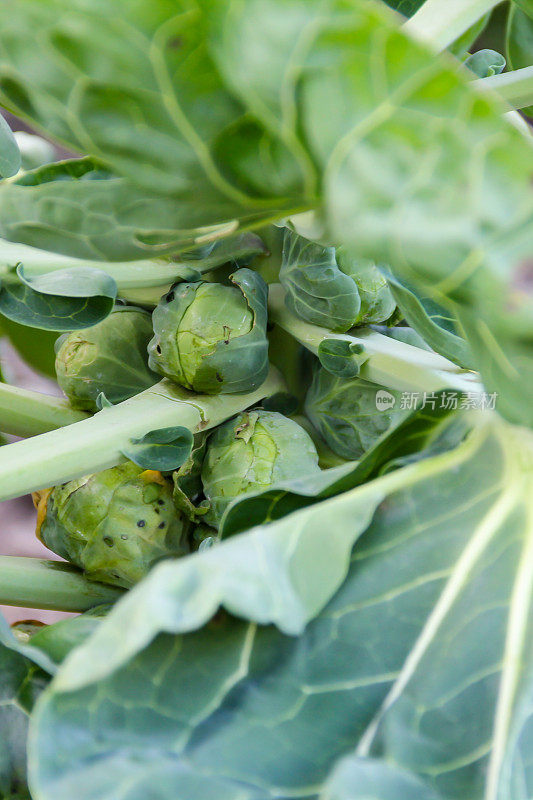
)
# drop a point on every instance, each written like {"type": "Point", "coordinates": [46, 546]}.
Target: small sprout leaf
{"type": "Point", "coordinates": [164, 449]}
{"type": "Point", "coordinates": [485, 63]}
{"type": "Point", "coordinates": [341, 357]}
{"type": "Point", "coordinates": [102, 402]}
{"type": "Point", "coordinates": [63, 300]}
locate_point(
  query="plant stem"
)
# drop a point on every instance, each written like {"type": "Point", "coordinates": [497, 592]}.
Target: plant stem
{"type": "Point", "coordinates": [27, 413]}
{"type": "Point", "coordinates": [441, 22]}
{"type": "Point", "coordinates": [390, 363]}
{"type": "Point", "coordinates": [127, 274]}
{"type": "Point", "coordinates": [96, 443]}
{"type": "Point", "coordinates": [36, 583]}
{"type": "Point", "coordinates": [516, 87]}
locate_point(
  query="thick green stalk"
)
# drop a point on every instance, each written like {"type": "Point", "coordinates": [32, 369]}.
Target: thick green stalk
{"type": "Point", "coordinates": [36, 583]}
{"type": "Point", "coordinates": [127, 274]}
{"type": "Point", "coordinates": [441, 22]}
{"type": "Point", "coordinates": [96, 443]}
{"type": "Point", "coordinates": [516, 87]}
{"type": "Point", "coordinates": [390, 363]}
{"type": "Point", "coordinates": [27, 413]}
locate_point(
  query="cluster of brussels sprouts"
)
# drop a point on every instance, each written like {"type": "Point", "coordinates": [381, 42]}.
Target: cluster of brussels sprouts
{"type": "Point", "coordinates": [209, 338]}
{"type": "Point", "coordinates": [118, 523]}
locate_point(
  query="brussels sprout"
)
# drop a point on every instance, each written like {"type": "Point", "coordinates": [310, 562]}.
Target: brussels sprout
{"type": "Point", "coordinates": [211, 338]}
{"type": "Point", "coordinates": [350, 413]}
{"type": "Point", "coordinates": [251, 452]}
{"type": "Point", "coordinates": [110, 357]}
{"type": "Point", "coordinates": [330, 288]}
{"type": "Point", "coordinates": [115, 524]}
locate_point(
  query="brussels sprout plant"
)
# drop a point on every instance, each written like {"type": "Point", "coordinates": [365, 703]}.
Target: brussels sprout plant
{"type": "Point", "coordinates": [280, 254]}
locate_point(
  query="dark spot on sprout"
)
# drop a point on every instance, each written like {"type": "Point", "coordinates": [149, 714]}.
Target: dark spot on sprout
{"type": "Point", "coordinates": [141, 523]}
{"type": "Point", "coordinates": [161, 502]}
{"type": "Point", "coordinates": [219, 377]}
{"type": "Point", "coordinates": [157, 511]}
{"type": "Point", "coordinates": [158, 348]}
{"type": "Point", "coordinates": [227, 333]}
{"type": "Point", "coordinates": [123, 536]}
{"type": "Point", "coordinates": [108, 541]}
{"type": "Point", "coordinates": [175, 42]}
{"type": "Point", "coordinates": [170, 296]}
{"type": "Point", "coordinates": [161, 525]}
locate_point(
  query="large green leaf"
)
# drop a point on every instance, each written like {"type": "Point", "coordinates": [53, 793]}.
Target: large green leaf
{"type": "Point", "coordinates": [20, 685]}
{"type": "Point", "coordinates": [16, 679]}
{"type": "Point", "coordinates": [25, 661]}
{"type": "Point", "coordinates": [395, 188]}
{"type": "Point", "coordinates": [419, 169]}
{"type": "Point", "coordinates": [422, 658]}
{"type": "Point", "coordinates": [362, 779]}
{"type": "Point", "coordinates": [154, 111]}
{"type": "Point", "coordinates": [81, 209]}
{"type": "Point", "coordinates": [525, 5]}
{"type": "Point", "coordinates": [434, 323]}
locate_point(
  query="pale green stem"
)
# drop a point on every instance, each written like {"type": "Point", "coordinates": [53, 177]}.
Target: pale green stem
{"type": "Point", "coordinates": [127, 274]}
{"type": "Point", "coordinates": [148, 296]}
{"type": "Point", "coordinates": [390, 363]}
{"type": "Point", "coordinates": [516, 87]}
{"type": "Point", "coordinates": [36, 583]}
{"type": "Point", "coordinates": [440, 22]}
{"type": "Point", "coordinates": [96, 443]}
{"type": "Point", "coordinates": [27, 413]}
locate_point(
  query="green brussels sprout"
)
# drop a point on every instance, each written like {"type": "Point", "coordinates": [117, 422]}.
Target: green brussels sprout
{"type": "Point", "coordinates": [110, 357]}
{"type": "Point", "coordinates": [211, 338]}
{"type": "Point", "coordinates": [330, 288]}
{"type": "Point", "coordinates": [252, 452]}
{"type": "Point", "coordinates": [350, 413]}
{"type": "Point", "coordinates": [115, 524]}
